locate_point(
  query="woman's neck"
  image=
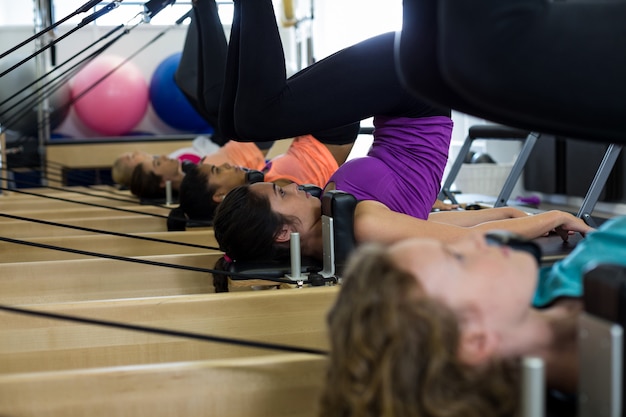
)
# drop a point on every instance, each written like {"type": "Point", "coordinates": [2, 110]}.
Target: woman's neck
{"type": "Point", "coordinates": [551, 334]}
{"type": "Point", "coordinates": [312, 241]}
{"type": "Point", "coordinates": [562, 356]}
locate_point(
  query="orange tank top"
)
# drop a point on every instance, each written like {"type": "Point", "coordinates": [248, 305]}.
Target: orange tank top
{"type": "Point", "coordinates": [243, 154]}
{"type": "Point", "coordinates": [307, 161]}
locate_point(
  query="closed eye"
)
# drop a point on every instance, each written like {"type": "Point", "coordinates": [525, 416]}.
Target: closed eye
{"type": "Point", "coordinates": [455, 255]}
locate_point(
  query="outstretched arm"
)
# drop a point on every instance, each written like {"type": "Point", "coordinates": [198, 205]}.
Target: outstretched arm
{"type": "Point", "coordinates": [469, 218]}
{"type": "Point", "coordinates": [375, 222]}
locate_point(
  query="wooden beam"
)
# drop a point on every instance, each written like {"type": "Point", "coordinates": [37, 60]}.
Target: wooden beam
{"type": "Point", "coordinates": [75, 190]}
{"type": "Point", "coordinates": [102, 279]}
{"type": "Point", "coordinates": [19, 229]}
{"type": "Point", "coordinates": [30, 202]}
{"type": "Point", "coordinates": [76, 211]}
{"type": "Point", "coordinates": [106, 245]}
{"type": "Point", "coordinates": [295, 317]}
{"type": "Point", "coordinates": [103, 189]}
{"type": "Point", "coordinates": [286, 385]}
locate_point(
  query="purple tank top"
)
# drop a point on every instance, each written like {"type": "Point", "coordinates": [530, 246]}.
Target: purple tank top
{"type": "Point", "coordinates": [404, 167]}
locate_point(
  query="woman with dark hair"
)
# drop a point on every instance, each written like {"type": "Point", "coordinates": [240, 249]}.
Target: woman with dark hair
{"type": "Point", "coordinates": [150, 173]}
{"type": "Point", "coordinates": [306, 161]}
{"type": "Point", "coordinates": [200, 76]}
{"type": "Point", "coordinates": [429, 328]}
{"type": "Point", "coordinates": [124, 164]}
{"type": "Point", "coordinates": [396, 184]}
{"type": "Point", "coordinates": [310, 159]}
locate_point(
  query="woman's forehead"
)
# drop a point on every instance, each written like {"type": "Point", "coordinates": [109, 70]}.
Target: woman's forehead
{"type": "Point", "coordinates": [262, 187]}
{"type": "Point", "coordinates": [413, 248]}
{"type": "Point", "coordinates": [420, 257]}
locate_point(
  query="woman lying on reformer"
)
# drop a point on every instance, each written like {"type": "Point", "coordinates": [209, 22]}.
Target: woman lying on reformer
{"type": "Point", "coordinates": [149, 180]}
{"type": "Point", "coordinates": [438, 329]}
{"type": "Point", "coordinates": [396, 184]}
{"type": "Point", "coordinates": [310, 158]}
{"type": "Point", "coordinates": [200, 76]}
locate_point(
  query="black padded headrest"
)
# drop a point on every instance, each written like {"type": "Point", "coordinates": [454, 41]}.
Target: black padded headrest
{"type": "Point", "coordinates": [253, 176]}
{"type": "Point", "coordinates": [273, 269]}
{"type": "Point", "coordinates": [157, 201]}
{"type": "Point", "coordinates": [340, 206]}
{"type": "Point", "coordinates": [187, 166]}
{"type": "Point", "coordinates": [605, 291]}
{"type": "Point", "coordinates": [515, 241]}
{"type": "Point", "coordinates": [312, 189]}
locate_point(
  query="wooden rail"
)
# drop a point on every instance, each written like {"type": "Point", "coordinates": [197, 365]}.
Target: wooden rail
{"type": "Point", "coordinates": [102, 279]}
{"type": "Point", "coordinates": [295, 317]}
{"type": "Point", "coordinates": [286, 385]}
{"type": "Point", "coordinates": [106, 244]}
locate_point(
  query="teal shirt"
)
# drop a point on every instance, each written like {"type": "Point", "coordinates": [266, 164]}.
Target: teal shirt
{"type": "Point", "coordinates": [607, 244]}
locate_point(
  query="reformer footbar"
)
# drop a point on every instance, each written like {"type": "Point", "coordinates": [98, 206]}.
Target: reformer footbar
{"type": "Point", "coordinates": [598, 182]}
{"type": "Point", "coordinates": [338, 236]}
{"type": "Point", "coordinates": [497, 132]}
{"type": "Point", "coordinates": [552, 250]}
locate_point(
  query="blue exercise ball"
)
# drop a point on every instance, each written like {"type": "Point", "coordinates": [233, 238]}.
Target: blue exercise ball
{"type": "Point", "coordinates": [169, 102]}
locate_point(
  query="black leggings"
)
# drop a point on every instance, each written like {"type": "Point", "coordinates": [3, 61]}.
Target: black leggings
{"type": "Point", "coordinates": [556, 67]}
{"type": "Point", "coordinates": [259, 102]}
{"type": "Point", "coordinates": [200, 73]}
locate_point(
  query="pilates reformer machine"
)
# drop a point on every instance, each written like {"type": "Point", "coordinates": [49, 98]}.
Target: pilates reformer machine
{"type": "Point", "coordinates": [338, 205]}
{"type": "Point", "coordinates": [601, 353]}
{"type": "Point", "coordinates": [528, 139]}
{"type": "Point", "coordinates": [602, 386]}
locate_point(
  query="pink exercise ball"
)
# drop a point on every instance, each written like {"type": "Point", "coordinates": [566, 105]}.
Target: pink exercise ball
{"type": "Point", "coordinates": [115, 105]}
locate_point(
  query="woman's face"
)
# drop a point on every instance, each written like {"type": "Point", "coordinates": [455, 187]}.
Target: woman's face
{"type": "Point", "coordinates": [497, 280]}
{"type": "Point", "coordinates": [131, 159]}
{"type": "Point", "coordinates": [223, 178]}
{"type": "Point", "coordinates": [167, 168]}
{"type": "Point", "coordinates": [292, 202]}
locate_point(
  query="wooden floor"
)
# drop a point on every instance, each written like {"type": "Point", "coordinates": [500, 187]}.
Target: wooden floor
{"type": "Point", "coordinates": [159, 279]}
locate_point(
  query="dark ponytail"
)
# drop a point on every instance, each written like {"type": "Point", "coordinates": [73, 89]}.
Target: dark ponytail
{"type": "Point", "coordinates": [177, 220]}
{"type": "Point", "coordinates": [196, 197]}
{"type": "Point", "coordinates": [146, 184]}
{"type": "Point", "coordinates": [246, 227]}
{"type": "Point", "coordinates": [220, 281]}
